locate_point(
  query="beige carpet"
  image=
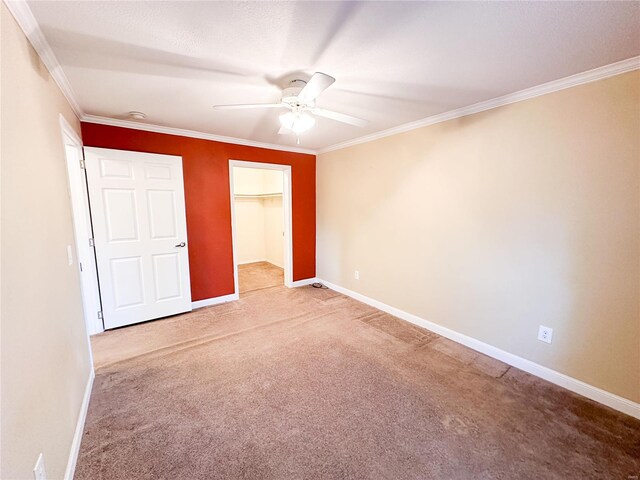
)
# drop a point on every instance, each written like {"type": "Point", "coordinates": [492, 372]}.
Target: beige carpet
{"type": "Point", "coordinates": [257, 275]}
{"type": "Point", "coordinates": [309, 384]}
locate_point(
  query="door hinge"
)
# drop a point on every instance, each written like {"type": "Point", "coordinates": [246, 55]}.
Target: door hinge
{"type": "Point", "coordinates": [92, 243]}
{"type": "Point", "coordinates": [82, 164]}
{"type": "Point", "coordinates": [100, 314]}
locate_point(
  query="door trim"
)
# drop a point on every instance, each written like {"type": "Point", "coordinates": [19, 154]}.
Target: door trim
{"type": "Point", "coordinates": [79, 199]}
{"type": "Point", "coordinates": [287, 221]}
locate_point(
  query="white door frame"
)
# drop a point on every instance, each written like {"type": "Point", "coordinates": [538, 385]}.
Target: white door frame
{"type": "Point", "coordinates": [82, 228]}
{"type": "Point", "coordinates": [287, 221]}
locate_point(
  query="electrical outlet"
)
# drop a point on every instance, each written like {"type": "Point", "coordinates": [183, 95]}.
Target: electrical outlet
{"type": "Point", "coordinates": [356, 275]}
{"type": "Point", "coordinates": [545, 334]}
{"type": "Point", "coordinates": [39, 472]}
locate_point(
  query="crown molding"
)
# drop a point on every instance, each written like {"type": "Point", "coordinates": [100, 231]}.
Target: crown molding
{"type": "Point", "coordinates": [599, 73]}
{"type": "Point", "coordinates": [29, 25]}
{"type": "Point", "coordinates": [148, 127]}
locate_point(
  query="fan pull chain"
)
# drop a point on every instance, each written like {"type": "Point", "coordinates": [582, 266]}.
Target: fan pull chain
{"type": "Point", "coordinates": [297, 139]}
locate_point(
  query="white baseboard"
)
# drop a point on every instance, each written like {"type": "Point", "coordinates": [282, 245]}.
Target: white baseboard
{"type": "Point", "coordinates": [594, 393]}
{"type": "Point", "coordinates": [77, 436]}
{"type": "Point", "coordinates": [215, 300]}
{"type": "Point", "coordinates": [302, 283]}
{"type": "Point", "coordinates": [261, 260]}
{"type": "Point", "coordinates": [246, 262]}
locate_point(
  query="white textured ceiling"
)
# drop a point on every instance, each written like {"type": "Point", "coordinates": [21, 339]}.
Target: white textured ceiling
{"type": "Point", "coordinates": [395, 62]}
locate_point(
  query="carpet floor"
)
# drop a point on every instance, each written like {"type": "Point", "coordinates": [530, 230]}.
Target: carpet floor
{"type": "Point", "coordinates": [307, 383]}
{"type": "Point", "coordinates": [257, 275]}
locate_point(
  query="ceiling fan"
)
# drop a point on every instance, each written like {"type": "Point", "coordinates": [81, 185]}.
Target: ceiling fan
{"type": "Point", "coordinates": [300, 99]}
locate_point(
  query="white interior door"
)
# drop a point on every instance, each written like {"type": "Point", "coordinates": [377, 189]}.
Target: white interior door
{"type": "Point", "coordinates": [139, 223]}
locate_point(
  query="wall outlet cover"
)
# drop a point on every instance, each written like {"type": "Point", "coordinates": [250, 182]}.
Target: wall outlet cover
{"type": "Point", "coordinates": [545, 334]}
{"type": "Point", "coordinates": [356, 275]}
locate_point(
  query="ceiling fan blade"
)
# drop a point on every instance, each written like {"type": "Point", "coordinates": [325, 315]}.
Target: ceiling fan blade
{"type": "Point", "coordinates": [249, 105]}
{"type": "Point", "coordinates": [283, 130]}
{"type": "Point", "coordinates": [340, 117]}
{"type": "Point", "coordinates": [318, 83]}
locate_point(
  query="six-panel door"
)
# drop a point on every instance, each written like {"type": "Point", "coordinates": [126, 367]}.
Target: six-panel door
{"type": "Point", "coordinates": [138, 215]}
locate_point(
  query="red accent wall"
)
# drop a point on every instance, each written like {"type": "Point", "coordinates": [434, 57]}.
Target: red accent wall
{"type": "Point", "coordinates": [207, 197]}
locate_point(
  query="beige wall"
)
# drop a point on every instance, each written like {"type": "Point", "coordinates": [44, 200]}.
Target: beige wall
{"type": "Point", "coordinates": [248, 181]}
{"type": "Point", "coordinates": [249, 230]}
{"type": "Point", "coordinates": [256, 181]}
{"type": "Point", "coordinates": [274, 230]}
{"type": "Point", "coordinates": [273, 181]}
{"type": "Point", "coordinates": [44, 353]}
{"type": "Point", "coordinates": [495, 223]}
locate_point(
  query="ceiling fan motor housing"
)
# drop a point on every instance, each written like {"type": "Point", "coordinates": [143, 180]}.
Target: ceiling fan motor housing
{"type": "Point", "coordinates": [290, 94]}
{"type": "Point", "coordinates": [300, 99]}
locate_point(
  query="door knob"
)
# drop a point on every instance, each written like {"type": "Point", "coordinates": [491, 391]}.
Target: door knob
{"type": "Point", "coordinates": [181, 244]}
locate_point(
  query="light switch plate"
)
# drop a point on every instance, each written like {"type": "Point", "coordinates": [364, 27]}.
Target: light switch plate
{"type": "Point", "coordinates": [69, 255]}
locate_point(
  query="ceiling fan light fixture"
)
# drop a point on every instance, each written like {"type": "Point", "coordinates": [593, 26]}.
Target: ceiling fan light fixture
{"type": "Point", "coordinates": [297, 122]}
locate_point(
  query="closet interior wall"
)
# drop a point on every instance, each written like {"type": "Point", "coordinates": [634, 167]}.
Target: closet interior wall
{"type": "Point", "coordinates": [259, 215]}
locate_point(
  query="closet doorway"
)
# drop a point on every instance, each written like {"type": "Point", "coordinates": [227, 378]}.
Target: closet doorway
{"type": "Point", "coordinates": [261, 225]}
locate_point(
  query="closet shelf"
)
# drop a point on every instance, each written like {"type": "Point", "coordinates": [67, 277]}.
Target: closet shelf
{"type": "Point", "coordinates": [257, 195]}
